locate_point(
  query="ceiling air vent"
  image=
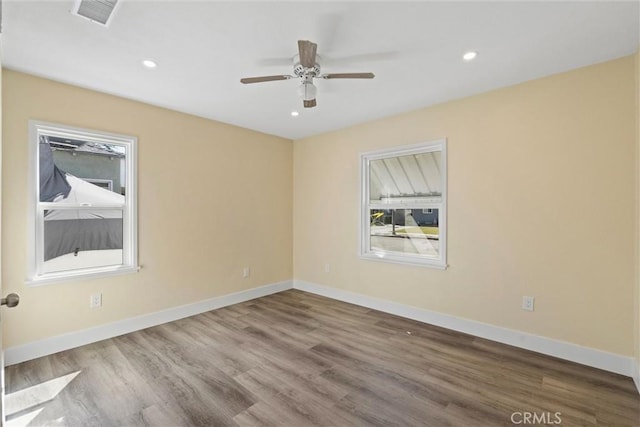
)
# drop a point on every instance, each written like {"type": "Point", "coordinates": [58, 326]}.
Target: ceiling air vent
{"type": "Point", "coordinates": [98, 11]}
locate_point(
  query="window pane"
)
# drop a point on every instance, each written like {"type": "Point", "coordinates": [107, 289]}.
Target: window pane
{"type": "Point", "coordinates": [403, 179]}
{"type": "Point", "coordinates": [82, 238]}
{"type": "Point", "coordinates": [100, 164]}
{"type": "Point", "coordinates": [405, 231]}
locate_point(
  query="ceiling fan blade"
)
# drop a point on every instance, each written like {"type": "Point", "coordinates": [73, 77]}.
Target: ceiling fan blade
{"type": "Point", "coordinates": [309, 104]}
{"type": "Point", "coordinates": [307, 51]}
{"type": "Point", "coordinates": [348, 76]}
{"type": "Point", "coordinates": [247, 80]}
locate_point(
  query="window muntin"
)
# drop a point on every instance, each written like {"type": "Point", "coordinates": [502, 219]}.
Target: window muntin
{"type": "Point", "coordinates": [404, 205]}
{"type": "Point", "coordinates": [81, 228]}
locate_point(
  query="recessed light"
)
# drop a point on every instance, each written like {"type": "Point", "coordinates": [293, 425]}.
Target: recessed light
{"type": "Point", "coordinates": [149, 63]}
{"type": "Point", "coordinates": [468, 56]}
{"type": "Point", "coordinates": [295, 114]}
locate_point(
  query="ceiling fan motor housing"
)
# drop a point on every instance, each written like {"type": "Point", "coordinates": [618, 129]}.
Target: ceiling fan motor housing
{"type": "Point", "coordinates": [300, 71]}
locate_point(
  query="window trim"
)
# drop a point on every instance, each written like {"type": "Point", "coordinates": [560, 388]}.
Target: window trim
{"type": "Point", "coordinates": [365, 205]}
{"type": "Point", "coordinates": [130, 212]}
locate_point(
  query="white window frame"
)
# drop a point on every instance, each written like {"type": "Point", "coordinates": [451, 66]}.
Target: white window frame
{"type": "Point", "coordinates": [439, 262]}
{"type": "Point", "coordinates": [35, 275]}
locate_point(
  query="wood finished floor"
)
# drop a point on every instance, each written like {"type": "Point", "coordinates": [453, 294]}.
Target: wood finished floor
{"type": "Point", "coordinates": [297, 359]}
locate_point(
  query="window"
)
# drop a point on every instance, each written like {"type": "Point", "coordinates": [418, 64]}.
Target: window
{"type": "Point", "coordinates": [104, 183]}
{"type": "Point", "coordinates": [404, 205]}
{"type": "Point", "coordinates": [82, 204]}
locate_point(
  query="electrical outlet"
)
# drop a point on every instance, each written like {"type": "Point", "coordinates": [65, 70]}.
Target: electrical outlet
{"type": "Point", "coordinates": [95, 300]}
{"type": "Point", "coordinates": [327, 268]}
{"type": "Point", "coordinates": [527, 303]}
{"type": "Point", "coordinates": [246, 272]}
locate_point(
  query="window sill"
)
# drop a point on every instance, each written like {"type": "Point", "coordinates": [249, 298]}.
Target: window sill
{"type": "Point", "coordinates": [53, 278]}
{"type": "Point", "coordinates": [405, 260]}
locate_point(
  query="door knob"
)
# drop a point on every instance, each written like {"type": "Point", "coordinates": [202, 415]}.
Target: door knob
{"type": "Point", "coordinates": [11, 300]}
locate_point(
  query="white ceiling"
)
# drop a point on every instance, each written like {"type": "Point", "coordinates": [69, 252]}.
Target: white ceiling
{"type": "Point", "coordinates": [414, 48]}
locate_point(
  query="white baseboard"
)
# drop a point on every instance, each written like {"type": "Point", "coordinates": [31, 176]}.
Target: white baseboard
{"type": "Point", "coordinates": [636, 374]}
{"type": "Point", "coordinates": [33, 350]}
{"type": "Point", "coordinates": [584, 355]}
{"type": "Point", "coordinates": [564, 350]}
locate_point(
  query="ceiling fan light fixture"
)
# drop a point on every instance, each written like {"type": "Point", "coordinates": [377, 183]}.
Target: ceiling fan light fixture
{"type": "Point", "coordinates": [307, 91]}
{"type": "Point", "coordinates": [294, 114]}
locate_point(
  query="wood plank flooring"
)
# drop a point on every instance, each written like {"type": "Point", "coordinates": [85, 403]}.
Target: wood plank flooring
{"type": "Point", "coordinates": [297, 359]}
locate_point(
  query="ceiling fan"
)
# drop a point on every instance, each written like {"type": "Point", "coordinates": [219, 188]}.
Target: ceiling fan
{"type": "Point", "coordinates": [306, 66]}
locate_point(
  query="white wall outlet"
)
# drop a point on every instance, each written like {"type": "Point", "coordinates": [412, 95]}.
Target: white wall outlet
{"type": "Point", "coordinates": [95, 300]}
{"type": "Point", "coordinates": [527, 303]}
{"type": "Point", "coordinates": [327, 268]}
{"type": "Point", "coordinates": [246, 272]}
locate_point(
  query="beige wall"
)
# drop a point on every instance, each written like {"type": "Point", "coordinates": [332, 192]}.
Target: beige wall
{"type": "Point", "coordinates": [541, 202]}
{"type": "Point", "coordinates": [213, 198]}
{"type": "Point", "coordinates": [542, 190]}
{"type": "Point", "coordinates": [636, 297]}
